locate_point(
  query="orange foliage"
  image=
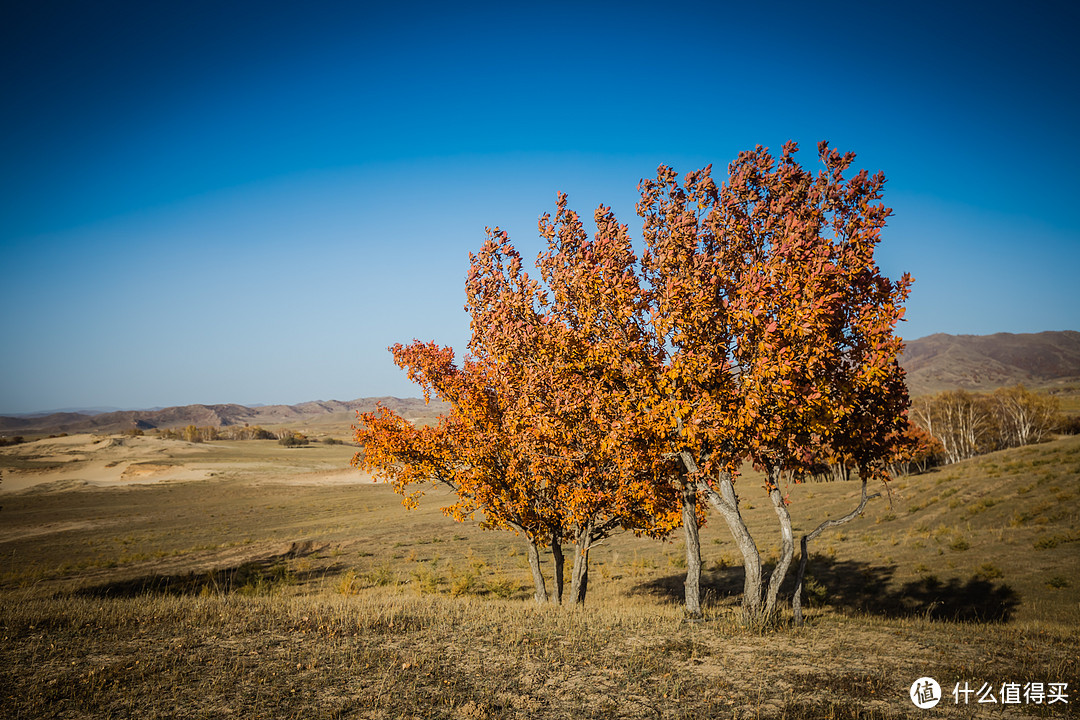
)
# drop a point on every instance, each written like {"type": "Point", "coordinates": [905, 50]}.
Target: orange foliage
{"type": "Point", "coordinates": [469, 450]}
{"type": "Point", "coordinates": [755, 324]}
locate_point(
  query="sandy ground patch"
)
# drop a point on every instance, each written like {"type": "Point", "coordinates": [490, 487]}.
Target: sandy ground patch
{"type": "Point", "coordinates": [77, 474]}
{"type": "Point", "coordinates": [79, 461]}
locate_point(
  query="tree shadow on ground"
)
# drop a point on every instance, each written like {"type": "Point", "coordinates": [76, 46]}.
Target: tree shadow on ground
{"type": "Point", "coordinates": [856, 587]}
{"type": "Point", "coordinates": [255, 576]}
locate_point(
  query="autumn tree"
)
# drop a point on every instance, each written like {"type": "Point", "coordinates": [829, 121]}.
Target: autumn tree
{"type": "Point", "coordinates": [804, 320]}
{"type": "Point", "coordinates": [755, 325]}
{"type": "Point", "coordinates": [192, 434]}
{"type": "Point", "coordinates": [914, 446]}
{"type": "Point", "coordinates": [293, 438]}
{"type": "Point", "coordinates": [471, 450]}
{"type": "Point", "coordinates": [558, 380]}
{"type": "Point", "coordinates": [528, 441]}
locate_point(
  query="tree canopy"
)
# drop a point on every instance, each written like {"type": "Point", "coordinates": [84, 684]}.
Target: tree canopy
{"type": "Point", "coordinates": [627, 389]}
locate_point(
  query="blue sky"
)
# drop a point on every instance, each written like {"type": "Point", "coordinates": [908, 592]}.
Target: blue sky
{"type": "Point", "coordinates": [248, 202]}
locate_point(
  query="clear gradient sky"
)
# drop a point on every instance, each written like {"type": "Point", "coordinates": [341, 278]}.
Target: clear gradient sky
{"type": "Point", "coordinates": [209, 202]}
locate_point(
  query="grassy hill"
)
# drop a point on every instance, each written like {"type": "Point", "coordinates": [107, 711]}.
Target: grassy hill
{"type": "Point", "coordinates": [261, 593]}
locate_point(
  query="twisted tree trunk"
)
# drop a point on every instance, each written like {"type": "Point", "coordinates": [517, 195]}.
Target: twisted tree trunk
{"type": "Point", "coordinates": [726, 503]}
{"type": "Point", "coordinates": [787, 547]}
{"type": "Point", "coordinates": [692, 586]}
{"type": "Point", "coordinates": [796, 599]}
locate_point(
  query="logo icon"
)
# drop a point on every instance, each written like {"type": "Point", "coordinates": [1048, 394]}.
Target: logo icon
{"type": "Point", "coordinates": [925, 693]}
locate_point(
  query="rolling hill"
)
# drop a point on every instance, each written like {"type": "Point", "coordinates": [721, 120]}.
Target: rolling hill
{"type": "Point", "coordinates": [1046, 360]}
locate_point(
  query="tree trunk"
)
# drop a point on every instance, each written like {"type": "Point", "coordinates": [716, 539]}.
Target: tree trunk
{"type": "Point", "coordinates": [538, 576]}
{"type": "Point", "coordinates": [579, 577]}
{"type": "Point", "coordinates": [692, 586]}
{"type": "Point", "coordinates": [558, 561]}
{"type": "Point", "coordinates": [787, 548]}
{"type": "Point", "coordinates": [796, 599]}
{"type": "Point", "coordinates": [727, 504]}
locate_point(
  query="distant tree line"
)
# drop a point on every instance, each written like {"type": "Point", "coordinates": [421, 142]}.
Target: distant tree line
{"type": "Point", "coordinates": [209, 433]}
{"type": "Point", "coordinates": [956, 425]}
{"type": "Point", "coordinates": [6, 441]}
{"type": "Point", "coordinates": [911, 449]}
{"type": "Point", "coordinates": [969, 424]}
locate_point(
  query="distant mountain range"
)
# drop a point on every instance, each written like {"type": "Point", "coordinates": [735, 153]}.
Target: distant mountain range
{"type": "Point", "coordinates": [939, 362]}
{"type": "Point", "coordinates": [983, 363]}
{"type": "Point", "coordinates": [331, 413]}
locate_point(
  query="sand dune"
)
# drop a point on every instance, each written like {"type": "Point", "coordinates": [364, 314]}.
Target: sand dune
{"type": "Point", "coordinates": [84, 460]}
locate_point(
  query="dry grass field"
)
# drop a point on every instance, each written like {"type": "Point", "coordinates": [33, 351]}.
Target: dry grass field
{"type": "Point", "coordinates": [147, 578]}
